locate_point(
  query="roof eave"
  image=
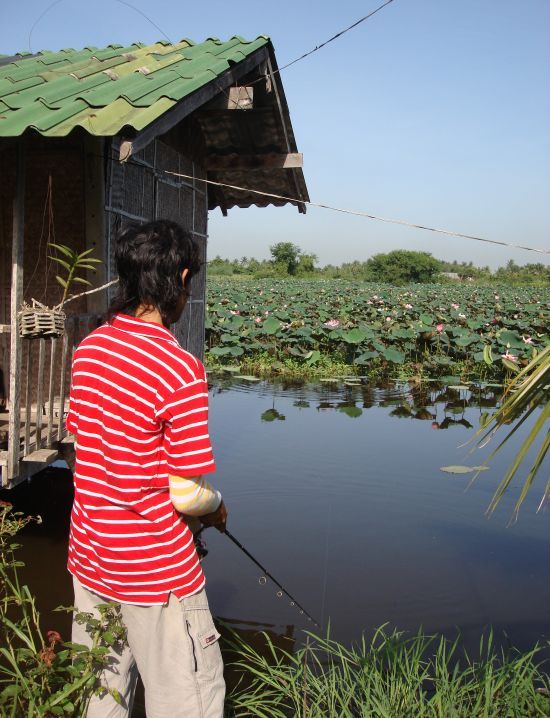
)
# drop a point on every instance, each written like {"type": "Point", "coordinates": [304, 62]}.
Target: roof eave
{"type": "Point", "coordinates": [185, 107]}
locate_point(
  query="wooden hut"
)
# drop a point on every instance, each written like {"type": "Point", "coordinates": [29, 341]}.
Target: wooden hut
{"type": "Point", "coordinates": [94, 138]}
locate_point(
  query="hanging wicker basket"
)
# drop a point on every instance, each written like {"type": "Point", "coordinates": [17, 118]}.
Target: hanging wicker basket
{"type": "Point", "coordinates": [38, 321]}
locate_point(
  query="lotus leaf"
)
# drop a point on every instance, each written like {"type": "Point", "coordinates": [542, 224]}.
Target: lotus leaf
{"type": "Point", "coordinates": [341, 319]}
{"type": "Point", "coordinates": [463, 469]}
{"type": "Point", "coordinates": [394, 356]}
{"type": "Point", "coordinates": [271, 325]}
{"type": "Point", "coordinates": [354, 336]}
{"type": "Point", "coordinates": [351, 410]}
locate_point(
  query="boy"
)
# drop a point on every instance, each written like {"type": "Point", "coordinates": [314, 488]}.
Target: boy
{"type": "Point", "coordinates": [139, 411]}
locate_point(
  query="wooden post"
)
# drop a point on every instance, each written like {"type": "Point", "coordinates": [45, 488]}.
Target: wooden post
{"type": "Point", "coordinates": [40, 391]}
{"type": "Point", "coordinates": [16, 348]}
{"type": "Point", "coordinates": [275, 81]}
{"type": "Point", "coordinates": [94, 148]}
{"type": "Point", "coordinates": [28, 394]}
{"type": "Point", "coordinates": [62, 384]}
{"type": "Point", "coordinates": [51, 389]}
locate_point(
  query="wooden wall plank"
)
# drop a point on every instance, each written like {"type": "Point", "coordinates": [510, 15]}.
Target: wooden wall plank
{"type": "Point", "coordinates": [96, 236]}
{"type": "Point", "coordinates": [18, 238]}
{"type": "Point", "coordinates": [254, 162]}
{"type": "Point", "coordinates": [40, 391]}
{"type": "Point", "coordinates": [62, 386]}
{"type": "Point", "coordinates": [28, 395]}
{"type": "Point", "coordinates": [51, 389]}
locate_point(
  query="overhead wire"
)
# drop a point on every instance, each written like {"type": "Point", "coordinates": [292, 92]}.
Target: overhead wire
{"type": "Point", "coordinates": [334, 37]}
{"type": "Point", "coordinates": [367, 215]}
{"type": "Point", "coordinates": [296, 200]}
{"type": "Point", "coordinates": [301, 201]}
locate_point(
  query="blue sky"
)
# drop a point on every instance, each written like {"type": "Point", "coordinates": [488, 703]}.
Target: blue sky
{"type": "Point", "coordinates": [433, 111]}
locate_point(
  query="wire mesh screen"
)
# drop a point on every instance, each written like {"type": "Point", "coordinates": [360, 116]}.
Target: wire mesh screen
{"type": "Point", "coordinates": [141, 190]}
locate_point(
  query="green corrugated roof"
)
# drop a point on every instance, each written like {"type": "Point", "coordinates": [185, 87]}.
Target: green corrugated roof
{"type": "Point", "coordinates": [104, 90]}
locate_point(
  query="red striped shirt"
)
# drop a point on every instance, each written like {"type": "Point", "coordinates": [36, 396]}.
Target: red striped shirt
{"type": "Point", "coordinates": [139, 411]}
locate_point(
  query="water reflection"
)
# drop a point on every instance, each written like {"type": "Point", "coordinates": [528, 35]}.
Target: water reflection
{"type": "Point", "coordinates": [443, 405]}
{"type": "Point", "coordinates": [357, 516]}
{"type": "Point", "coordinates": [337, 489]}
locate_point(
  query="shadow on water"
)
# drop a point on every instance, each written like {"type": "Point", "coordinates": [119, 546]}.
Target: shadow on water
{"type": "Point", "coordinates": [336, 488]}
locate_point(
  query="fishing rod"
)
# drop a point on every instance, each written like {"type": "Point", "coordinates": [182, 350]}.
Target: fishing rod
{"type": "Point", "coordinates": [293, 601]}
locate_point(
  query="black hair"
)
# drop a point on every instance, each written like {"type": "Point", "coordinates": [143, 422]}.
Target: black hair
{"type": "Point", "coordinates": [149, 259]}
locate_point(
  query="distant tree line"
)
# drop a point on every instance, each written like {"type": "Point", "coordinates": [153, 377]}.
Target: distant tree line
{"type": "Point", "coordinates": [401, 266]}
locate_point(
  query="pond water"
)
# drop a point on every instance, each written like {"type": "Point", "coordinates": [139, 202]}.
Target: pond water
{"type": "Point", "coordinates": [337, 491]}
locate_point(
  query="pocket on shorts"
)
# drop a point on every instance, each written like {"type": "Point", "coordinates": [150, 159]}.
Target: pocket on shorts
{"type": "Point", "coordinates": [202, 633]}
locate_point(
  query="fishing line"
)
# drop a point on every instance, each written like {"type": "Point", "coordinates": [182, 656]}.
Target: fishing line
{"type": "Point", "coordinates": [35, 23]}
{"type": "Point", "coordinates": [325, 578]}
{"type": "Point", "coordinates": [263, 579]}
{"type": "Point", "coordinates": [48, 211]}
{"type": "Point", "coordinates": [120, 2]}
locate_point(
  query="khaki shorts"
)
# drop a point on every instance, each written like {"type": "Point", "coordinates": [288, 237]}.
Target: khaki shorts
{"type": "Point", "coordinates": [174, 648]}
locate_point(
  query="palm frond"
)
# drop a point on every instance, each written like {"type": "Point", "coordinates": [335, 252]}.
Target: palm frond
{"type": "Point", "coordinates": [527, 391]}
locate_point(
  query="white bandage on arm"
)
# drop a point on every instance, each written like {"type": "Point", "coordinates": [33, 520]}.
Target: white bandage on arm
{"type": "Point", "coordinates": [193, 495]}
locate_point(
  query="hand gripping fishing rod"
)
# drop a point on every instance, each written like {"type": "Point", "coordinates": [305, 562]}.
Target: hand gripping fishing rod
{"type": "Point", "coordinates": [293, 601]}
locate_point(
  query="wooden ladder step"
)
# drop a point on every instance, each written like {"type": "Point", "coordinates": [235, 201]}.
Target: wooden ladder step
{"type": "Point", "coordinates": [41, 456]}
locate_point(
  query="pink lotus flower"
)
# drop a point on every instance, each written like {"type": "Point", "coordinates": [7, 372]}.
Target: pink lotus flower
{"type": "Point", "coordinates": [388, 319]}
{"type": "Point", "coordinates": [527, 340]}
{"type": "Point", "coordinates": [408, 306]}
{"type": "Point", "coordinates": [455, 306]}
{"type": "Point", "coordinates": [234, 311]}
{"type": "Point", "coordinates": [332, 323]}
{"type": "Point", "coordinates": [510, 357]}
{"type": "Point", "coordinates": [257, 319]}
{"type": "Point", "coordinates": [266, 313]}
{"type": "Point", "coordinates": [462, 316]}
{"type": "Point", "coordinates": [439, 328]}
{"type": "Point", "coordinates": [369, 301]}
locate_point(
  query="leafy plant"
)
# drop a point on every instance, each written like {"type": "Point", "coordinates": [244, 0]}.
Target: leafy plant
{"type": "Point", "coordinates": [523, 396]}
{"type": "Point", "coordinates": [402, 266]}
{"type": "Point", "coordinates": [286, 254]}
{"type": "Point", "coordinates": [44, 675]}
{"type": "Point", "coordinates": [471, 332]}
{"type": "Point", "coordinates": [74, 262]}
{"type": "Point", "coordinates": [391, 676]}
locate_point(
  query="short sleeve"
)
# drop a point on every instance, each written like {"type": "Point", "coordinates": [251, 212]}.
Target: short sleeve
{"type": "Point", "coordinates": [187, 446]}
{"type": "Point", "coordinates": [71, 422]}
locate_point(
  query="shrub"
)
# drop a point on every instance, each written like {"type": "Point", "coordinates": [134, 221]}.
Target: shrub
{"type": "Point", "coordinates": [43, 675]}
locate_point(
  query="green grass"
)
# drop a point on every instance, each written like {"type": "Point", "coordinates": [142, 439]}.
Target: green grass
{"type": "Point", "coordinates": [389, 677]}
{"type": "Point", "coordinates": [268, 366]}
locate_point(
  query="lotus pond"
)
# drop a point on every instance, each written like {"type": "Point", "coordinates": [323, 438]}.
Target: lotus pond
{"type": "Point", "coordinates": [337, 488]}
{"type": "Point", "coordinates": [380, 330]}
